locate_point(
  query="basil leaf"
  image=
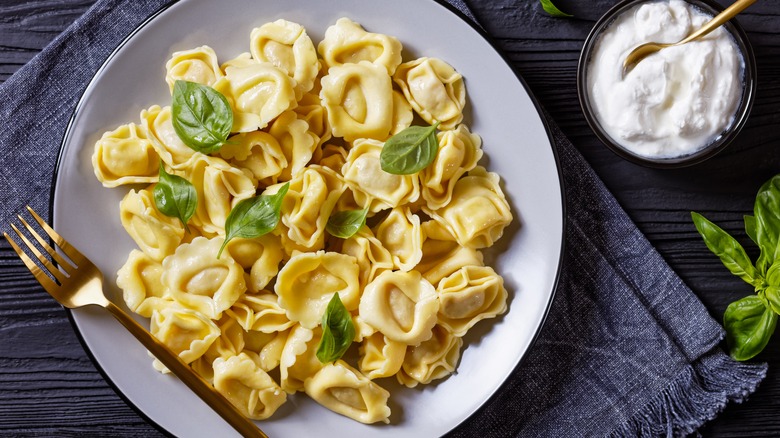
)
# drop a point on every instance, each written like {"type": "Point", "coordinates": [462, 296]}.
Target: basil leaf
{"type": "Point", "coordinates": [749, 324]}
{"type": "Point", "coordinates": [727, 249]}
{"type": "Point", "coordinates": [410, 151]}
{"type": "Point", "coordinates": [750, 228]}
{"type": "Point", "coordinates": [174, 196]}
{"type": "Point", "coordinates": [254, 217]}
{"type": "Point", "coordinates": [767, 214]}
{"type": "Point", "coordinates": [338, 332]}
{"type": "Point", "coordinates": [201, 116]}
{"type": "Point", "coordinates": [345, 224]}
{"type": "Point", "coordinates": [772, 295]}
{"type": "Point", "coordinates": [553, 10]}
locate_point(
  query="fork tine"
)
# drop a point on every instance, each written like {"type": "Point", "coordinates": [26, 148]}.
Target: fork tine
{"type": "Point", "coordinates": [66, 247]}
{"type": "Point", "coordinates": [42, 278]}
{"type": "Point", "coordinates": [44, 261]}
{"type": "Point", "coordinates": [57, 256]}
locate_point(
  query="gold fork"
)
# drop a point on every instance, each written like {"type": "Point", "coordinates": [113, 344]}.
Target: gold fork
{"type": "Point", "coordinates": [80, 283]}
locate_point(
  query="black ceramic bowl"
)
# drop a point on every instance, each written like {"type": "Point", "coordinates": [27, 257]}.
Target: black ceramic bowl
{"type": "Point", "coordinates": [721, 141]}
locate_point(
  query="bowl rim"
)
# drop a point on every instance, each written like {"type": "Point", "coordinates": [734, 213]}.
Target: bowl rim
{"type": "Point", "coordinates": [727, 135]}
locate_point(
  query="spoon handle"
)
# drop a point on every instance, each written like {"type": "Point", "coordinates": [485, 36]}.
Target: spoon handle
{"type": "Point", "coordinates": [727, 14]}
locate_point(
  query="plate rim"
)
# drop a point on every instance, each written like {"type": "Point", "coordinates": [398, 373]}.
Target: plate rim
{"type": "Point", "coordinates": [540, 112]}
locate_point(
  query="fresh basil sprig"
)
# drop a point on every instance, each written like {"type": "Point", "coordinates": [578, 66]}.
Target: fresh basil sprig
{"type": "Point", "coordinates": [410, 151]}
{"type": "Point", "coordinates": [254, 217]}
{"type": "Point", "coordinates": [553, 10]}
{"type": "Point", "coordinates": [338, 332]}
{"type": "Point", "coordinates": [174, 196]}
{"type": "Point", "coordinates": [345, 224]}
{"type": "Point", "coordinates": [751, 321]}
{"type": "Point", "coordinates": [201, 116]}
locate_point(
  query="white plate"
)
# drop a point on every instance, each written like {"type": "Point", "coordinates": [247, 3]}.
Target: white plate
{"type": "Point", "coordinates": [515, 141]}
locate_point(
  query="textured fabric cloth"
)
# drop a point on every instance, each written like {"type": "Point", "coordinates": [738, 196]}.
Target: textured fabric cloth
{"type": "Point", "coordinates": [627, 349]}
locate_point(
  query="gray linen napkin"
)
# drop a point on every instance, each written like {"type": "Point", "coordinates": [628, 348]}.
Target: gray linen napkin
{"type": "Point", "coordinates": [627, 348]}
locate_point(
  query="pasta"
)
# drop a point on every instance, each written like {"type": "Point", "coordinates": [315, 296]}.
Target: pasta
{"type": "Point", "coordinates": [250, 311]}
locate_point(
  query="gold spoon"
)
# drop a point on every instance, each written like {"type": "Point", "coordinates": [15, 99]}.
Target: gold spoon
{"type": "Point", "coordinates": [641, 52]}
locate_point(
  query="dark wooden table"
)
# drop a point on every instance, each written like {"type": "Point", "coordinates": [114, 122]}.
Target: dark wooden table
{"type": "Point", "coordinates": [48, 386]}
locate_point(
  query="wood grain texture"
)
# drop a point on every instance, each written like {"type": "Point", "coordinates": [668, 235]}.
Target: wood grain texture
{"type": "Point", "coordinates": [48, 385]}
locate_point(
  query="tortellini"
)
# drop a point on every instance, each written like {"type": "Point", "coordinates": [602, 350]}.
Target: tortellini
{"type": "Point", "coordinates": [373, 187]}
{"type": "Point", "coordinates": [359, 101]}
{"type": "Point", "coordinates": [198, 65]}
{"type": "Point", "coordinates": [199, 280]}
{"type": "Point", "coordinates": [343, 389]}
{"type": "Point", "coordinates": [258, 93]}
{"type": "Point", "coordinates": [478, 211]}
{"type": "Point", "coordinates": [346, 42]}
{"type": "Point", "coordinates": [434, 89]}
{"type": "Point", "coordinates": [314, 118]}
{"type": "Point", "coordinates": [241, 380]}
{"type": "Point", "coordinates": [470, 295]}
{"type": "Point", "coordinates": [156, 234]}
{"type": "Point", "coordinates": [125, 156]}
{"type": "Point", "coordinates": [308, 281]}
{"type": "Point", "coordinates": [287, 46]}
{"type": "Point", "coordinates": [401, 305]}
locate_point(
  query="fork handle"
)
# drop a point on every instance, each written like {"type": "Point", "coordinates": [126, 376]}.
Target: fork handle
{"type": "Point", "coordinates": [194, 381]}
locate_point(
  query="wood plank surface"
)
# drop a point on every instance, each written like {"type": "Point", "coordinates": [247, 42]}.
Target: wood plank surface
{"type": "Point", "coordinates": [48, 385]}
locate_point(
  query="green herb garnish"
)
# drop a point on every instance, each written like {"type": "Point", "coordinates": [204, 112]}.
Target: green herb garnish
{"type": "Point", "coordinates": [201, 116]}
{"type": "Point", "coordinates": [410, 151]}
{"type": "Point", "coordinates": [254, 217]}
{"type": "Point", "coordinates": [174, 196]}
{"type": "Point", "coordinates": [338, 332]}
{"type": "Point", "coordinates": [553, 10]}
{"type": "Point", "coordinates": [345, 224]}
{"type": "Point", "coordinates": [750, 321]}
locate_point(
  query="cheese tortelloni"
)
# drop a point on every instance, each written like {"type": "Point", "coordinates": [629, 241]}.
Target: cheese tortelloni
{"type": "Point", "coordinates": [139, 280]}
{"type": "Point", "coordinates": [359, 101]}
{"type": "Point", "coordinates": [307, 206]}
{"type": "Point", "coordinates": [308, 281]}
{"type": "Point", "coordinates": [242, 381]}
{"type": "Point", "coordinates": [344, 390]}
{"type": "Point", "coordinates": [257, 92]}
{"type": "Point", "coordinates": [287, 46]}
{"type": "Point", "coordinates": [478, 211]}
{"type": "Point", "coordinates": [459, 152]}
{"type": "Point", "coordinates": [260, 312]}
{"type": "Point", "coordinates": [299, 358]}
{"type": "Point", "coordinates": [159, 130]}
{"type": "Point", "coordinates": [400, 305]}
{"type": "Point", "coordinates": [197, 65]}
{"type": "Point", "coordinates": [259, 152]}
{"type": "Point", "coordinates": [155, 234]}
{"type": "Point", "coordinates": [188, 333]}
{"type": "Point", "coordinates": [442, 255]}
{"type": "Point", "coordinates": [401, 235]}
{"type": "Point", "coordinates": [434, 89]}
{"type": "Point", "coordinates": [267, 347]}
{"type": "Point", "coordinates": [197, 279]}
{"type": "Point", "coordinates": [311, 111]}
{"type": "Point", "coordinates": [381, 357]}
{"type": "Point", "coordinates": [346, 42]}
{"type": "Point", "coordinates": [434, 359]}
{"type": "Point", "coordinates": [229, 343]}
{"type": "Point", "coordinates": [471, 294]}
{"type": "Point", "coordinates": [372, 257]}
{"type": "Point", "coordinates": [333, 157]}
{"type": "Point", "coordinates": [296, 141]}
{"type": "Point", "coordinates": [260, 256]}
{"type": "Point", "coordinates": [220, 187]}
{"type": "Point", "coordinates": [125, 156]}
{"type": "Point", "coordinates": [402, 113]}
{"type": "Point", "coordinates": [372, 186]}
